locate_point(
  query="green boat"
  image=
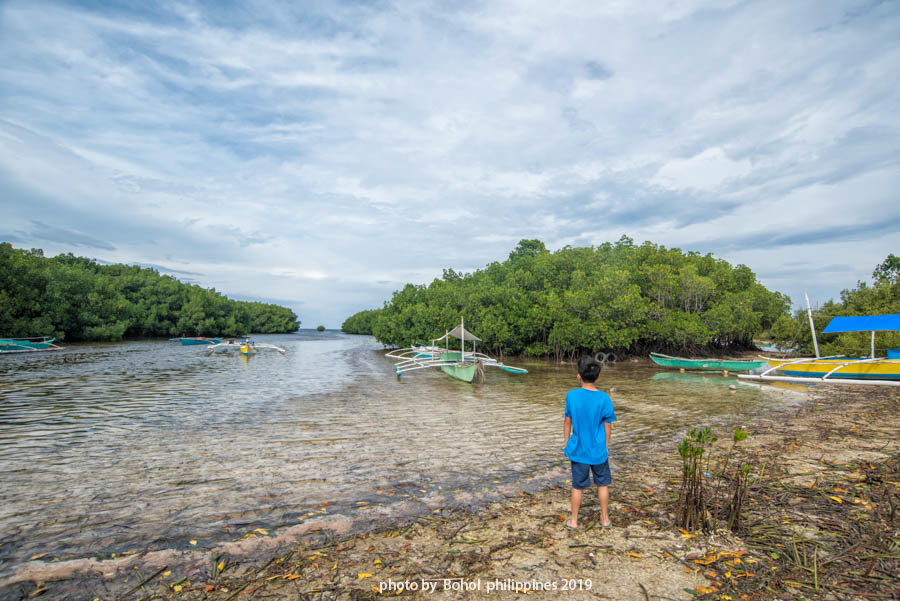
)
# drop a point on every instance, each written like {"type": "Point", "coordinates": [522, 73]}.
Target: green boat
{"type": "Point", "coordinates": [464, 365]}
{"type": "Point", "coordinates": [707, 364]}
{"type": "Point", "coordinates": [453, 365]}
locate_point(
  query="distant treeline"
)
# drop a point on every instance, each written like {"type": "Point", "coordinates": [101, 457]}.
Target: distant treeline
{"type": "Point", "coordinates": [620, 297]}
{"type": "Point", "coordinates": [881, 298]}
{"type": "Point", "coordinates": [74, 298]}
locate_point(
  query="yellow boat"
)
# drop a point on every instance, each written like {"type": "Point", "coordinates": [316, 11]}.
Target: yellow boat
{"type": "Point", "coordinates": [838, 367]}
{"type": "Point", "coordinates": [884, 371]}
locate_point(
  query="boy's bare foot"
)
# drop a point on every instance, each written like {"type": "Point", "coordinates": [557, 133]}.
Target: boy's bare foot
{"type": "Point", "coordinates": [570, 525]}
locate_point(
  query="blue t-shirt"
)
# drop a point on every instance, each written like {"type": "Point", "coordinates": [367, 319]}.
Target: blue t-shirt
{"type": "Point", "coordinates": [589, 409]}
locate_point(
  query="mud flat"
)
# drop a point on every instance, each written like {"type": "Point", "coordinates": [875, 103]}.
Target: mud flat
{"type": "Point", "coordinates": [822, 521]}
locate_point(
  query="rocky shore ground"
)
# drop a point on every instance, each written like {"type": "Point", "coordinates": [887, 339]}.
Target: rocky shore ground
{"type": "Point", "coordinates": [821, 521]}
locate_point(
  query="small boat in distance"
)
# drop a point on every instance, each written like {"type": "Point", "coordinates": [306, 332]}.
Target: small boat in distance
{"type": "Point", "coordinates": [462, 364]}
{"type": "Point", "coordinates": [707, 364]}
{"type": "Point", "coordinates": [196, 340]}
{"type": "Point", "coordinates": [28, 345]}
{"type": "Point", "coordinates": [244, 346]}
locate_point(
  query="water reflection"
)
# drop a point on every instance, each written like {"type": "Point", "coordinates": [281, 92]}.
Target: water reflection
{"type": "Point", "coordinates": [113, 447]}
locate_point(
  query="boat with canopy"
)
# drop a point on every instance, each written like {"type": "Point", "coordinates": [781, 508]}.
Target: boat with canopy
{"type": "Point", "coordinates": [883, 371]}
{"type": "Point", "coordinates": [461, 364]}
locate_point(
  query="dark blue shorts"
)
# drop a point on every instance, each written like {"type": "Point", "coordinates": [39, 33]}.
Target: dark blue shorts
{"type": "Point", "coordinates": [581, 474]}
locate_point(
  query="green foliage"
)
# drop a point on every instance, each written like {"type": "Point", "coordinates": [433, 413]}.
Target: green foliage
{"type": "Point", "coordinates": [320, 328]}
{"type": "Point", "coordinates": [881, 298]}
{"type": "Point", "coordinates": [889, 271]}
{"type": "Point", "coordinates": [740, 484]}
{"type": "Point", "coordinates": [74, 298]}
{"type": "Point", "coordinates": [362, 322]}
{"type": "Point", "coordinates": [618, 297]}
{"type": "Point", "coordinates": [695, 510]}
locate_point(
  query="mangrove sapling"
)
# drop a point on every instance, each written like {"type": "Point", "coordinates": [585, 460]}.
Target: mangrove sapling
{"type": "Point", "coordinates": [736, 507]}
{"type": "Point", "coordinates": [695, 457]}
{"type": "Point", "coordinates": [739, 489]}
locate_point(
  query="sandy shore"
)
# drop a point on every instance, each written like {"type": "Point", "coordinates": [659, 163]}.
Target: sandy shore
{"type": "Point", "coordinates": [821, 522]}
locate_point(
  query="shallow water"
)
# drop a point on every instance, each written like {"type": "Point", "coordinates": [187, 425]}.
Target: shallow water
{"type": "Point", "coordinates": [108, 448]}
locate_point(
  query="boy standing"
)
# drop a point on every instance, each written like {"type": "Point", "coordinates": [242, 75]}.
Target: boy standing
{"type": "Point", "coordinates": [587, 427]}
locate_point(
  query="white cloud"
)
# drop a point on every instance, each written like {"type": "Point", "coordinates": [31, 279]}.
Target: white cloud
{"type": "Point", "coordinates": [334, 151]}
{"type": "Point", "coordinates": [705, 171]}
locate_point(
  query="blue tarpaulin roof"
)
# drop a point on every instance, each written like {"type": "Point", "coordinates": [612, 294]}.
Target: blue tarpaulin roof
{"type": "Point", "coordinates": [864, 323]}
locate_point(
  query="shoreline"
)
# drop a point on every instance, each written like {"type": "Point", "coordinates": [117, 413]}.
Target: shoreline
{"type": "Point", "coordinates": [520, 541]}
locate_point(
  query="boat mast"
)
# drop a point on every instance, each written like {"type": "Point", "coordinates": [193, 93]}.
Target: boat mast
{"type": "Point", "coordinates": [812, 325]}
{"type": "Point", "coordinates": [462, 338]}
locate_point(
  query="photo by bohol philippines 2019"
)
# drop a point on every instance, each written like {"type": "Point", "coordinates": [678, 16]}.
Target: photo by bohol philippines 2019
{"type": "Point", "coordinates": [449, 301]}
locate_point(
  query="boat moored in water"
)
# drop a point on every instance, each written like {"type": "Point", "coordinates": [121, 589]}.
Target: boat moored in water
{"type": "Point", "coordinates": [464, 365]}
{"type": "Point", "coordinates": [244, 346]}
{"type": "Point", "coordinates": [195, 340]}
{"type": "Point", "coordinates": [883, 371]}
{"type": "Point", "coordinates": [707, 364]}
{"type": "Point", "coordinates": [28, 345]}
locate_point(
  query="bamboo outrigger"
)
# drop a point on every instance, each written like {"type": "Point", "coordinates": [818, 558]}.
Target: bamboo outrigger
{"type": "Point", "coordinates": [462, 364]}
{"type": "Point", "coordinates": [28, 345]}
{"type": "Point", "coordinates": [877, 371]}
{"type": "Point", "coordinates": [245, 347]}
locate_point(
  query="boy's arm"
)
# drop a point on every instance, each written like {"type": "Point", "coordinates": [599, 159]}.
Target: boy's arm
{"type": "Point", "coordinates": [567, 429]}
{"type": "Point", "coordinates": [607, 426]}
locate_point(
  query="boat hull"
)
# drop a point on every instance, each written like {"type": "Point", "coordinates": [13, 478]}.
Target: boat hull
{"type": "Point", "coordinates": [708, 364]}
{"type": "Point", "coordinates": [196, 341]}
{"type": "Point", "coordinates": [464, 371]}
{"type": "Point", "coordinates": [28, 345]}
{"type": "Point", "coordinates": [884, 369]}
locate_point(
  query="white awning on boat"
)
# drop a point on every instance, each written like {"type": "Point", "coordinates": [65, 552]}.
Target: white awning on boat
{"type": "Point", "coordinates": [461, 333]}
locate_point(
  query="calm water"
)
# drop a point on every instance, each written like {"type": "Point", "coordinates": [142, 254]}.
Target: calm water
{"type": "Point", "coordinates": [113, 447]}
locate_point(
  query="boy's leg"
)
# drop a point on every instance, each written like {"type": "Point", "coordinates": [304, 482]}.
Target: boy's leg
{"type": "Point", "coordinates": [603, 495]}
{"type": "Point", "coordinates": [581, 479]}
{"type": "Point", "coordinates": [603, 478]}
{"type": "Point", "coordinates": [572, 522]}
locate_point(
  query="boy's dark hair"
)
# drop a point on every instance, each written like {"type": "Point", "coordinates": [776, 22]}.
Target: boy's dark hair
{"type": "Point", "coordinates": [588, 368]}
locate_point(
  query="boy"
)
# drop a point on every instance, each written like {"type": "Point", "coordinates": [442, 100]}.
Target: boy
{"type": "Point", "coordinates": [587, 427]}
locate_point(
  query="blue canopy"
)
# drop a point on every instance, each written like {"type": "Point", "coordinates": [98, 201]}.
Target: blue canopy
{"type": "Point", "coordinates": [864, 323]}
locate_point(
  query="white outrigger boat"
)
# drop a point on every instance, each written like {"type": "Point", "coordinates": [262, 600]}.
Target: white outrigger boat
{"type": "Point", "coordinates": [462, 364]}
{"type": "Point", "coordinates": [245, 347]}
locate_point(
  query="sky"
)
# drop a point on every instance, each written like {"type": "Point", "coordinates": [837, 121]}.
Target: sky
{"type": "Point", "coordinates": [323, 154]}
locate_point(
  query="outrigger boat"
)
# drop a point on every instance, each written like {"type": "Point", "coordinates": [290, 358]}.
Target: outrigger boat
{"type": "Point", "coordinates": [882, 371]}
{"type": "Point", "coordinates": [707, 364]}
{"type": "Point", "coordinates": [245, 347]}
{"type": "Point", "coordinates": [462, 364]}
{"type": "Point", "coordinates": [28, 345]}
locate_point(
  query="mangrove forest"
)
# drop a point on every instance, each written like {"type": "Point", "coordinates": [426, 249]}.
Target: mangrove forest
{"type": "Point", "coordinates": [613, 297]}
{"type": "Point", "coordinates": [75, 298]}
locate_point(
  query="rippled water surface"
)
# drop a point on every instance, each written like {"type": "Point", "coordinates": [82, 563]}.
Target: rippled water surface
{"type": "Point", "coordinates": [128, 446]}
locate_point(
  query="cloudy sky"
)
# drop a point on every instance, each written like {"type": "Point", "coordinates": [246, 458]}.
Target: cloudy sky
{"type": "Point", "coordinates": [322, 154]}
